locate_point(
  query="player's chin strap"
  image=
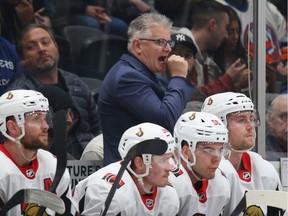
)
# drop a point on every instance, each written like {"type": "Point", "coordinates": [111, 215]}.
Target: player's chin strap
{"type": "Point", "coordinates": [195, 175]}
{"type": "Point", "coordinates": [242, 151]}
{"type": "Point", "coordinates": [141, 176]}
{"type": "Point", "coordinates": [17, 140]}
{"type": "Point", "coordinates": [141, 183]}
{"type": "Point", "coordinates": [190, 165]}
{"type": "Point", "coordinates": [20, 146]}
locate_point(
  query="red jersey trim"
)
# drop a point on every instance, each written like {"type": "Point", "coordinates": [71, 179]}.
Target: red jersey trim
{"type": "Point", "coordinates": [246, 173]}
{"type": "Point", "coordinates": [29, 171]}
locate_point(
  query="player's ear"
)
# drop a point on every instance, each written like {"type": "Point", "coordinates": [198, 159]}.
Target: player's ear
{"type": "Point", "coordinates": [211, 25]}
{"type": "Point", "coordinates": [185, 151]}
{"type": "Point", "coordinates": [12, 128]}
{"type": "Point", "coordinates": [140, 167]}
{"type": "Point", "coordinates": [136, 43]}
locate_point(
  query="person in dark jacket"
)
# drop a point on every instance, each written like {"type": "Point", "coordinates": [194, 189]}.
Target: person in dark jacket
{"type": "Point", "coordinates": [59, 100]}
{"type": "Point", "coordinates": [40, 56]}
{"type": "Point", "coordinates": [131, 94]}
{"type": "Point", "coordinates": [10, 68]}
{"type": "Point", "coordinates": [16, 14]}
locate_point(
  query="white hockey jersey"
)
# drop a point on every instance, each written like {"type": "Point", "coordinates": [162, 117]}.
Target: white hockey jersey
{"type": "Point", "coordinates": [257, 174]}
{"type": "Point", "coordinates": [37, 176]}
{"type": "Point", "coordinates": [207, 199]}
{"type": "Point", "coordinates": [92, 192]}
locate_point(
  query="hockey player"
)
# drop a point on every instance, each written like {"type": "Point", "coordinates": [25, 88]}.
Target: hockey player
{"type": "Point", "coordinates": [246, 170]}
{"type": "Point", "coordinates": [24, 122]}
{"type": "Point", "coordinates": [202, 139]}
{"type": "Point", "coordinates": [143, 189]}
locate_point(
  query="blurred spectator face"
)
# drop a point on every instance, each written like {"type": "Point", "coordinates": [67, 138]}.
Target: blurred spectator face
{"type": "Point", "coordinates": [233, 35]}
{"type": "Point", "coordinates": [185, 52]}
{"type": "Point", "coordinates": [69, 119]}
{"type": "Point", "coordinates": [40, 52]}
{"type": "Point", "coordinates": [154, 53]}
{"type": "Point", "coordinates": [278, 119]}
{"type": "Point", "coordinates": [218, 32]}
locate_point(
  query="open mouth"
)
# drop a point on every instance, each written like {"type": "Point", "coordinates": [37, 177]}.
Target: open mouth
{"type": "Point", "coordinates": [162, 59]}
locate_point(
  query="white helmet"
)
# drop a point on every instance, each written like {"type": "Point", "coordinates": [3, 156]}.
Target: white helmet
{"type": "Point", "coordinates": [18, 102]}
{"type": "Point", "coordinates": [142, 132]}
{"type": "Point", "coordinates": [194, 127]}
{"type": "Point", "coordinates": [225, 103]}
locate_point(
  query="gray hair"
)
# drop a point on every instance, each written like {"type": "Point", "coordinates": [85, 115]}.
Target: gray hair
{"type": "Point", "coordinates": [270, 110]}
{"type": "Point", "coordinates": [141, 25]}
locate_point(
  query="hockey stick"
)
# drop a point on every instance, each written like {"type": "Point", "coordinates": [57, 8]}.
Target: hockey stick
{"type": "Point", "coordinates": [278, 199]}
{"type": "Point", "coordinates": [153, 146]}
{"type": "Point", "coordinates": [59, 135]}
{"type": "Point", "coordinates": [240, 207]}
{"type": "Point", "coordinates": [41, 197]}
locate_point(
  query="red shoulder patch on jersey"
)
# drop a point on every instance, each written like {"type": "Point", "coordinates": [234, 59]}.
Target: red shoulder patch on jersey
{"type": "Point", "coordinates": [29, 171]}
{"type": "Point", "coordinates": [110, 178]}
{"type": "Point", "coordinates": [177, 172]}
{"type": "Point", "coordinates": [246, 173]}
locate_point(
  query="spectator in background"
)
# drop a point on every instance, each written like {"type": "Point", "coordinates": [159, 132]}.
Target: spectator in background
{"type": "Point", "coordinates": [130, 93]}
{"type": "Point", "coordinates": [128, 10]}
{"type": "Point", "coordinates": [10, 68]}
{"type": "Point", "coordinates": [59, 100]}
{"type": "Point", "coordinates": [17, 14]}
{"type": "Point", "coordinates": [176, 10]}
{"type": "Point", "coordinates": [209, 21]}
{"type": "Point", "coordinates": [232, 49]}
{"type": "Point", "coordinates": [281, 6]}
{"type": "Point", "coordinates": [277, 128]}
{"type": "Point", "coordinates": [185, 47]}
{"type": "Point", "coordinates": [276, 31]}
{"type": "Point", "coordinates": [40, 56]}
{"type": "Point", "coordinates": [203, 140]}
{"type": "Point", "coordinates": [94, 150]}
{"type": "Point", "coordinates": [283, 87]}
{"type": "Point", "coordinates": [89, 13]}
{"type": "Point", "coordinates": [270, 79]}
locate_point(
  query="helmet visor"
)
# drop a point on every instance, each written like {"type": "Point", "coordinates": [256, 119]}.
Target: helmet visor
{"type": "Point", "coordinates": [244, 118]}
{"type": "Point", "coordinates": [168, 161]}
{"type": "Point", "coordinates": [39, 118]}
{"type": "Point", "coordinates": [213, 149]}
